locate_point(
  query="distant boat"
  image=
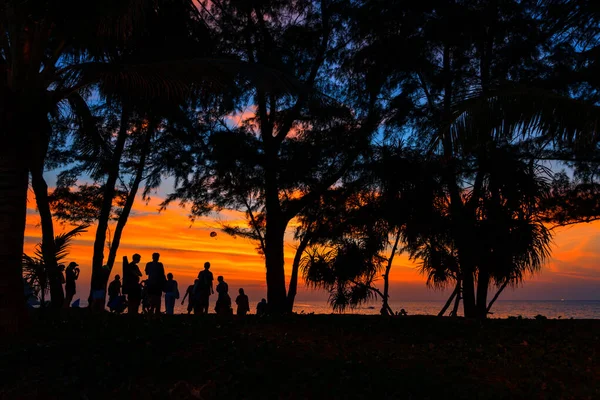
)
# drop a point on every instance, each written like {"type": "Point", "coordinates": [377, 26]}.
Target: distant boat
{"type": "Point", "coordinates": [370, 308]}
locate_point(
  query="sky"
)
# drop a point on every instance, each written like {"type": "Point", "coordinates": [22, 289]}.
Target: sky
{"type": "Point", "coordinates": [572, 273]}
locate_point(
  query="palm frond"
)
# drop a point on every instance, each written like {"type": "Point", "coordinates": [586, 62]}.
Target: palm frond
{"type": "Point", "coordinates": [519, 113]}
{"type": "Point", "coordinates": [63, 240]}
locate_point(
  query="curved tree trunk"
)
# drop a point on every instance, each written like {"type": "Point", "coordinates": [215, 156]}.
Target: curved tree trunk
{"type": "Point", "coordinates": [449, 301]}
{"type": "Point", "coordinates": [386, 277]}
{"type": "Point", "coordinates": [454, 311]}
{"type": "Point", "coordinates": [14, 180]}
{"type": "Point", "coordinates": [489, 307]}
{"type": "Point", "coordinates": [40, 189]}
{"type": "Point", "coordinates": [139, 174]}
{"type": "Point", "coordinates": [293, 288]}
{"type": "Point", "coordinates": [108, 195]}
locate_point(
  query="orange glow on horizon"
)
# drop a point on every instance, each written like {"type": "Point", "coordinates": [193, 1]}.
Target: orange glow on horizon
{"type": "Point", "coordinates": [184, 247]}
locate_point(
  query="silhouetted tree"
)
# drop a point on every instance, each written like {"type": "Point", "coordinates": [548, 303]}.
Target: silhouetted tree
{"type": "Point", "coordinates": [293, 147]}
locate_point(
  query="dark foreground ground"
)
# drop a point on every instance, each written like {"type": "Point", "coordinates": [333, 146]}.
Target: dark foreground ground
{"type": "Point", "coordinates": [313, 356]}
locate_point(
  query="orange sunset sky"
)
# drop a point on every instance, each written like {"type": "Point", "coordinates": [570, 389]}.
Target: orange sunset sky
{"type": "Point", "coordinates": [572, 273]}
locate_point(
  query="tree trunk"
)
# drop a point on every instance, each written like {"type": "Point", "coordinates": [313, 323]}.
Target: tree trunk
{"type": "Point", "coordinates": [40, 189]}
{"type": "Point", "coordinates": [483, 281]}
{"type": "Point", "coordinates": [489, 307]}
{"type": "Point", "coordinates": [108, 195]}
{"type": "Point", "coordinates": [447, 305]}
{"type": "Point", "coordinates": [14, 181]}
{"type": "Point", "coordinates": [468, 297]}
{"type": "Point", "coordinates": [454, 312]}
{"type": "Point", "coordinates": [292, 290]}
{"type": "Point", "coordinates": [386, 277]}
{"type": "Point", "coordinates": [139, 174]}
{"type": "Point", "coordinates": [274, 260]}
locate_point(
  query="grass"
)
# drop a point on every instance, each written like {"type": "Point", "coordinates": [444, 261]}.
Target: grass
{"type": "Point", "coordinates": [303, 356]}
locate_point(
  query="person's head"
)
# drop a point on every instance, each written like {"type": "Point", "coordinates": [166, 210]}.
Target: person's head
{"type": "Point", "coordinates": [61, 267]}
{"type": "Point", "coordinates": [241, 291]}
{"type": "Point", "coordinates": [207, 265]}
{"type": "Point", "coordinates": [117, 278]}
{"type": "Point", "coordinates": [196, 281]}
{"type": "Point", "coordinates": [170, 276]}
{"type": "Point", "coordinates": [220, 278]}
{"type": "Point", "coordinates": [263, 301]}
{"type": "Point", "coordinates": [136, 258]}
{"type": "Point", "coordinates": [155, 257]}
{"type": "Point", "coordinates": [72, 265]}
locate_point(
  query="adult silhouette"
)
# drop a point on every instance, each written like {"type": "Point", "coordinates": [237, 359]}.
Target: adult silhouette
{"type": "Point", "coordinates": [71, 275]}
{"type": "Point", "coordinates": [155, 282]}
{"type": "Point", "coordinates": [204, 288]}
{"type": "Point", "coordinates": [131, 283]}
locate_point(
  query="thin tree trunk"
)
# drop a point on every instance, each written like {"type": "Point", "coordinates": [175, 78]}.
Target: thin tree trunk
{"type": "Point", "coordinates": [292, 290]}
{"type": "Point", "coordinates": [108, 195]}
{"type": "Point", "coordinates": [483, 281]}
{"type": "Point", "coordinates": [40, 189]}
{"type": "Point", "coordinates": [139, 174]}
{"type": "Point", "coordinates": [489, 307]}
{"type": "Point", "coordinates": [386, 277]}
{"type": "Point", "coordinates": [14, 181]}
{"type": "Point", "coordinates": [447, 305]}
{"type": "Point", "coordinates": [468, 297]}
{"type": "Point", "coordinates": [454, 312]}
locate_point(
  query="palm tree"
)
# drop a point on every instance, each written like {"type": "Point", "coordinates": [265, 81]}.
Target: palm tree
{"type": "Point", "coordinates": [35, 268]}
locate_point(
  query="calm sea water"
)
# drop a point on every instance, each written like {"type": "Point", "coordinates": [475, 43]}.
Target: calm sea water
{"type": "Point", "coordinates": [576, 309]}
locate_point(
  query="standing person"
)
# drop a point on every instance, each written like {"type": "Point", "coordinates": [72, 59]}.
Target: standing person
{"type": "Point", "coordinates": [131, 283]}
{"type": "Point", "coordinates": [192, 298]}
{"type": "Point", "coordinates": [171, 294]}
{"type": "Point", "coordinates": [155, 282]}
{"type": "Point", "coordinates": [114, 290]}
{"type": "Point", "coordinates": [71, 275]}
{"type": "Point", "coordinates": [223, 306]}
{"type": "Point", "coordinates": [204, 288]}
{"type": "Point", "coordinates": [243, 305]}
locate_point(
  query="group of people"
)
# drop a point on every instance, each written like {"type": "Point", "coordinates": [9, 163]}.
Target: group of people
{"type": "Point", "coordinates": [133, 292]}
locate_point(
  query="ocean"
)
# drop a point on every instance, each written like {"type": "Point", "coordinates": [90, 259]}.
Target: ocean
{"type": "Point", "coordinates": [576, 309]}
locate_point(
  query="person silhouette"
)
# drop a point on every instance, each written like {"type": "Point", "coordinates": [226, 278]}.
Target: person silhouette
{"type": "Point", "coordinates": [204, 288]}
{"type": "Point", "coordinates": [131, 283]}
{"type": "Point", "coordinates": [223, 306]}
{"type": "Point", "coordinates": [155, 282]}
{"type": "Point", "coordinates": [114, 289]}
{"type": "Point", "coordinates": [71, 275]}
{"type": "Point", "coordinates": [243, 306]}
{"type": "Point", "coordinates": [261, 308]}
{"type": "Point", "coordinates": [171, 294]}
{"type": "Point", "coordinates": [192, 298]}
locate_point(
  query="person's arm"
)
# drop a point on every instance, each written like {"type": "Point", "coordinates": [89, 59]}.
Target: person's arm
{"type": "Point", "coordinates": [211, 288]}
{"type": "Point", "coordinates": [176, 291]}
{"type": "Point", "coordinates": [184, 297]}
